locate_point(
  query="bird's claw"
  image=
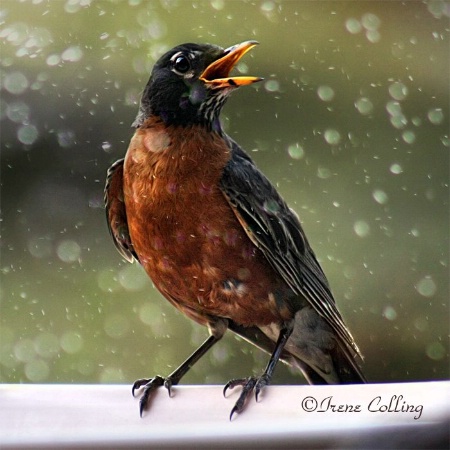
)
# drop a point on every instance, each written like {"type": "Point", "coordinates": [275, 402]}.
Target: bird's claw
{"type": "Point", "coordinates": [150, 385]}
{"type": "Point", "coordinates": [248, 385]}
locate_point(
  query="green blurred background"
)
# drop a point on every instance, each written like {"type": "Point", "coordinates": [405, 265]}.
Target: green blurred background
{"type": "Point", "coordinates": [351, 123]}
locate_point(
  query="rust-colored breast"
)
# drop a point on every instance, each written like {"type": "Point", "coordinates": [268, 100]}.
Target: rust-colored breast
{"type": "Point", "coordinates": [186, 234]}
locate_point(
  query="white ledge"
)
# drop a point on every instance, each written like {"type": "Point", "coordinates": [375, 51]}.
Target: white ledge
{"type": "Point", "coordinates": [106, 416]}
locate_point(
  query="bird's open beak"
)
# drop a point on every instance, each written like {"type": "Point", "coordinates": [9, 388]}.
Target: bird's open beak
{"type": "Point", "coordinates": [216, 75]}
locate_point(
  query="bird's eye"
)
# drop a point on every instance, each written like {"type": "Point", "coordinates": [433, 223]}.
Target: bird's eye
{"type": "Point", "coordinates": [181, 64]}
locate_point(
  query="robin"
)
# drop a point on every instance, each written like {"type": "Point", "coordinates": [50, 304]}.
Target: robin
{"type": "Point", "coordinates": [214, 235]}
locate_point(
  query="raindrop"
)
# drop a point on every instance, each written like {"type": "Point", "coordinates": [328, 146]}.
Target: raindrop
{"type": "Point", "coordinates": [37, 370]}
{"type": "Point", "coordinates": [66, 138]}
{"type": "Point", "coordinates": [390, 313]}
{"type": "Point", "coordinates": [71, 342]}
{"type": "Point", "coordinates": [72, 54]}
{"type": "Point", "coordinates": [399, 121]}
{"type": "Point", "coordinates": [15, 83]}
{"type": "Point", "coordinates": [53, 60]}
{"type": "Point", "coordinates": [47, 344]}
{"type": "Point", "coordinates": [353, 25]}
{"type": "Point", "coordinates": [421, 323]}
{"type": "Point", "coordinates": [112, 375]}
{"type": "Point", "coordinates": [426, 286]}
{"type": "Point", "coordinates": [18, 112]}
{"type": "Point", "coordinates": [24, 350]}
{"type": "Point", "coordinates": [325, 93]}
{"type": "Point", "coordinates": [27, 134]}
{"type": "Point", "coordinates": [116, 326]}
{"type": "Point", "coordinates": [373, 36]}
{"type": "Point", "coordinates": [396, 169]}
{"type": "Point", "coordinates": [218, 4]}
{"type": "Point", "coordinates": [394, 108]}
{"type": "Point", "coordinates": [68, 251]}
{"type": "Point", "coordinates": [409, 136]}
{"type": "Point", "coordinates": [435, 351]}
{"type": "Point", "coordinates": [332, 136]}
{"type": "Point", "coordinates": [370, 21]}
{"type": "Point", "coordinates": [435, 116]}
{"type": "Point", "coordinates": [361, 228]}
{"type": "Point", "coordinates": [323, 173]}
{"type": "Point", "coordinates": [398, 91]}
{"type": "Point", "coordinates": [106, 146]}
{"type": "Point", "coordinates": [296, 151]}
{"type": "Point", "coordinates": [272, 86]}
{"type": "Point", "coordinates": [133, 278]}
{"type": "Point", "coordinates": [107, 281]}
{"type": "Point", "coordinates": [39, 247]}
{"type": "Point", "coordinates": [364, 106]}
{"type": "Point", "coordinates": [380, 196]}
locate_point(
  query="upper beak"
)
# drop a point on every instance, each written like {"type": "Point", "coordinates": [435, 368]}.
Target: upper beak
{"type": "Point", "coordinates": [216, 75]}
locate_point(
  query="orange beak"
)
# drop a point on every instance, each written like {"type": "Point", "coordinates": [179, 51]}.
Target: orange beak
{"type": "Point", "coordinates": [216, 75]}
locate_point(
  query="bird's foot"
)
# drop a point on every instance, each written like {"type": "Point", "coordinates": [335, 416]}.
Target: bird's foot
{"type": "Point", "coordinates": [249, 385]}
{"type": "Point", "coordinates": [150, 385]}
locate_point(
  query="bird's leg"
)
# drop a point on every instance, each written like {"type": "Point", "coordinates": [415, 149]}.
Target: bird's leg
{"type": "Point", "coordinates": [151, 384]}
{"type": "Point", "coordinates": [252, 383]}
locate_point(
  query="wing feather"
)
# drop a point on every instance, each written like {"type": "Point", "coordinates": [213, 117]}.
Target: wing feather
{"type": "Point", "coordinates": [276, 230]}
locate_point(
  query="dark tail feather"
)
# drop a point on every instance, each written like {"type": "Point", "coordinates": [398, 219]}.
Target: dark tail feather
{"type": "Point", "coordinates": [346, 367]}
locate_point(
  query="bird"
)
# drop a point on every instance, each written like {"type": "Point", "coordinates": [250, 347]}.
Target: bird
{"type": "Point", "coordinates": [214, 235]}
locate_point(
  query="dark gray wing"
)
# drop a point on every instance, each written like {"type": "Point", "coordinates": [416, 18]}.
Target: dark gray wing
{"type": "Point", "coordinates": [116, 215]}
{"type": "Point", "coordinates": [275, 229]}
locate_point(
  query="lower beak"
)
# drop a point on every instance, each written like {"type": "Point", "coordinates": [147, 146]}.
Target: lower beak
{"type": "Point", "coordinates": [216, 75]}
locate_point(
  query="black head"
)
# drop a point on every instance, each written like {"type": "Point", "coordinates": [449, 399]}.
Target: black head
{"type": "Point", "coordinates": [190, 83]}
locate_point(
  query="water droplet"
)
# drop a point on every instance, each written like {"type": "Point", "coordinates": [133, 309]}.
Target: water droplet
{"type": "Point", "coordinates": [71, 342]}
{"type": "Point", "coordinates": [47, 344]}
{"type": "Point", "coordinates": [426, 286]}
{"type": "Point", "coordinates": [435, 351]}
{"type": "Point", "coordinates": [133, 278]}
{"type": "Point", "coordinates": [106, 146]}
{"type": "Point", "coordinates": [53, 60]}
{"type": "Point", "coordinates": [108, 281]}
{"type": "Point", "coordinates": [396, 169]}
{"type": "Point", "coordinates": [325, 93]}
{"type": "Point", "coordinates": [380, 196]}
{"type": "Point", "coordinates": [112, 375]}
{"type": "Point", "coordinates": [15, 83]}
{"type": "Point", "coordinates": [364, 106]}
{"type": "Point", "coordinates": [37, 370]}
{"type": "Point", "coordinates": [27, 134]}
{"type": "Point", "coordinates": [24, 350]}
{"type": "Point", "coordinates": [435, 116]}
{"type": "Point", "coordinates": [437, 8]}
{"type": "Point", "coordinates": [296, 151]}
{"type": "Point", "coordinates": [421, 323]}
{"type": "Point", "coordinates": [409, 136]}
{"type": "Point", "coordinates": [72, 54]}
{"type": "Point", "coordinates": [323, 173]}
{"type": "Point", "coordinates": [361, 228]}
{"type": "Point", "coordinates": [116, 326]}
{"type": "Point", "coordinates": [332, 136]}
{"type": "Point", "coordinates": [390, 313]}
{"type": "Point", "coordinates": [68, 251]}
{"type": "Point", "coordinates": [399, 121]}
{"type": "Point", "coordinates": [370, 21]}
{"type": "Point", "coordinates": [398, 91]}
{"type": "Point", "coordinates": [373, 36]}
{"type": "Point", "coordinates": [272, 86]}
{"type": "Point", "coordinates": [394, 108]}
{"type": "Point", "coordinates": [66, 138]}
{"type": "Point", "coordinates": [218, 4]}
{"type": "Point", "coordinates": [18, 112]}
{"type": "Point", "coordinates": [353, 25]}
{"type": "Point", "coordinates": [39, 247]}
